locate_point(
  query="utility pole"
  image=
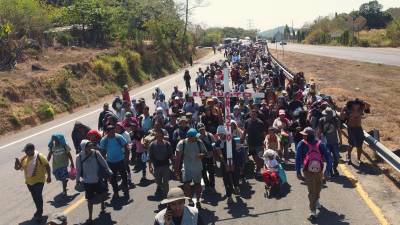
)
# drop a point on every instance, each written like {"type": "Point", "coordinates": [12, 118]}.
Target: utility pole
{"type": "Point", "coordinates": [249, 24]}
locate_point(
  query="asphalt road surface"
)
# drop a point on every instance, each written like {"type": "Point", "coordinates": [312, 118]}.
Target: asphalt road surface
{"type": "Point", "coordinates": [341, 203]}
{"type": "Point", "coordinates": [389, 56]}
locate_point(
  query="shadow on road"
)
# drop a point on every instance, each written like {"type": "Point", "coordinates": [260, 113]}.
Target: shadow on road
{"type": "Point", "coordinates": [60, 200]}
{"type": "Point", "coordinates": [212, 198]}
{"type": "Point", "coordinates": [346, 182]}
{"type": "Point", "coordinates": [118, 203]}
{"type": "Point", "coordinates": [327, 217]}
{"type": "Point", "coordinates": [254, 215]}
{"type": "Point", "coordinates": [238, 208]}
{"type": "Point", "coordinates": [208, 216]}
{"type": "Point", "coordinates": [34, 222]}
{"type": "Point", "coordinates": [104, 219]}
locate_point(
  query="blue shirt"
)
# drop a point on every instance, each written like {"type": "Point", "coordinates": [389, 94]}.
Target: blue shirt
{"type": "Point", "coordinates": [301, 151]}
{"type": "Point", "coordinates": [147, 123]}
{"type": "Point", "coordinates": [115, 148]}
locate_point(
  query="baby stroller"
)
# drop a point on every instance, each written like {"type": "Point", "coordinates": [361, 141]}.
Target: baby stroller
{"type": "Point", "coordinates": [274, 175]}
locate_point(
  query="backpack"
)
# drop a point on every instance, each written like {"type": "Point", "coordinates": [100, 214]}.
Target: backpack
{"type": "Point", "coordinates": [313, 158]}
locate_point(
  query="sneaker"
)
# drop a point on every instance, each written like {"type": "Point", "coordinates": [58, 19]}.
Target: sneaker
{"type": "Point", "coordinates": [313, 215]}
{"type": "Point", "coordinates": [318, 205]}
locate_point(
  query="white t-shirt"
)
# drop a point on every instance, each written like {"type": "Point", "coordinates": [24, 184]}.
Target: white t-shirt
{"type": "Point", "coordinates": [271, 165]}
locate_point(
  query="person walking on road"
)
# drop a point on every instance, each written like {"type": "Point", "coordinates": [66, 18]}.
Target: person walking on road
{"type": "Point", "coordinates": [191, 151]}
{"type": "Point", "coordinates": [309, 154]}
{"type": "Point", "coordinates": [117, 151]}
{"type": "Point", "coordinates": [62, 156]}
{"type": "Point", "coordinates": [35, 167]}
{"type": "Point", "coordinates": [329, 132]}
{"type": "Point", "coordinates": [102, 116]}
{"type": "Point", "coordinates": [230, 173]}
{"type": "Point", "coordinates": [352, 115]}
{"type": "Point", "coordinates": [255, 130]}
{"type": "Point", "coordinates": [187, 78]}
{"type": "Point", "coordinates": [208, 161]}
{"type": "Point", "coordinates": [160, 154]}
{"type": "Point", "coordinates": [88, 164]}
{"type": "Point", "coordinates": [176, 211]}
{"type": "Point", "coordinates": [78, 134]}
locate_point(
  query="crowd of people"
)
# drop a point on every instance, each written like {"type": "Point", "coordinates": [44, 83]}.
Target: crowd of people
{"type": "Point", "coordinates": [185, 139]}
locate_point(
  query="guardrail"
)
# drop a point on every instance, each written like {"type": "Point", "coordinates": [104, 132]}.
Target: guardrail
{"type": "Point", "coordinates": [382, 151]}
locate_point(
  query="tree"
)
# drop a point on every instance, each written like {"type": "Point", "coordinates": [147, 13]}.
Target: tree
{"type": "Point", "coordinates": [393, 32]}
{"type": "Point", "coordinates": [372, 11]}
{"type": "Point", "coordinates": [286, 32]}
{"type": "Point", "coordinates": [359, 24]}
{"type": "Point", "coordinates": [188, 9]}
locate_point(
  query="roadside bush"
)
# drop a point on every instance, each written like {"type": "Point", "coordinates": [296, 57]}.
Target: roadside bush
{"type": "Point", "coordinates": [120, 68]}
{"type": "Point", "coordinates": [374, 38]}
{"type": "Point", "coordinates": [364, 43]}
{"type": "Point", "coordinates": [15, 121]}
{"type": "Point", "coordinates": [45, 111]}
{"type": "Point", "coordinates": [63, 90]}
{"type": "Point", "coordinates": [134, 62]}
{"type": "Point", "coordinates": [102, 69]}
{"type": "Point", "coordinates": [65, 39]}
{"type": "Point", "coordinates": [393, 32]}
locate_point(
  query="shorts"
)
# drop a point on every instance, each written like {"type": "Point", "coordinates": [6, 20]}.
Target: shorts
{"type": "Point", "coordinates": [256, 150]}
{"type": "Point", "coordinates": [61, 174]}
{"type": "Point", "coordinates": [191, 175]}
{"type": "Point", "coordinates": [91, 190]}
{"type": "Point", "coordinates": [356, 136]}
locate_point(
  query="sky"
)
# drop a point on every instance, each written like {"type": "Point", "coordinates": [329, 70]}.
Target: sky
{"type": "Point", "coordinates": [268, 14]}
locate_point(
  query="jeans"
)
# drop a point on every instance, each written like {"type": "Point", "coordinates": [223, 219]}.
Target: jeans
{"type": "Point", "coordinates": [334, 150]}
{"type": "Point", "coordinates": [118, 168]}
{"type": "Point", "coordinates": [36, 192]}
{"type": "Point", "coordinates": [208, 166]}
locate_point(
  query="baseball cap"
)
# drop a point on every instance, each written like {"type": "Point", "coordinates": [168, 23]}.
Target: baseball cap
{"type": "Point", "coordinates": [29, 147]}
{"type": "Point", "coordinates": [192, 132]}
{"type": "Point", "coordinates": [308, 131]}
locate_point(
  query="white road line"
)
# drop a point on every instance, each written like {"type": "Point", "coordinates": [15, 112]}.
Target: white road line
{"type": "Point", "coordinates": [79, 117]}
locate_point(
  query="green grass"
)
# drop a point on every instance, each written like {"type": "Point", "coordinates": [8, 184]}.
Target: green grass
{"type": "Point", "coordinates": [45, 111]}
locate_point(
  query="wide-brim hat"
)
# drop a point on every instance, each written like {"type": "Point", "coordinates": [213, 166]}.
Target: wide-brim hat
{"type": "Point", "coordinates": [173, 195]}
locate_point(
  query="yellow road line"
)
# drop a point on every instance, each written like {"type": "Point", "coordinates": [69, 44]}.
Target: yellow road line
{"type": "Point", "coordinates": [364, 195]}
{"type": "Point", "coordinates": [74, 205]}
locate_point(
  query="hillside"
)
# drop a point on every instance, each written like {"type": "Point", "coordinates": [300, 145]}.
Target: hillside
{"type": "Point", "coordinates": [270, 33]}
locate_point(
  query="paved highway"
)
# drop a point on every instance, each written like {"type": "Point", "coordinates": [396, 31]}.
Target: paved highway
{"type": "Point", "coordinates": [389, 56]}
{"type": "Point", "coordinates": [342, 203]}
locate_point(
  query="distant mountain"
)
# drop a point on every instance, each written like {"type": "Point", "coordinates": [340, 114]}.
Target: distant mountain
{"type": "Point", "coordinates": [270, 33]}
